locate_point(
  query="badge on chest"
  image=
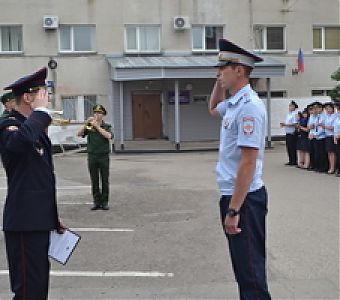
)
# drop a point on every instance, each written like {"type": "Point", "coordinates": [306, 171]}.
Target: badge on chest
{"type": "Point", "coordinates": [225, 122]}
{"type": "Point", "coordinates": [39, 148]}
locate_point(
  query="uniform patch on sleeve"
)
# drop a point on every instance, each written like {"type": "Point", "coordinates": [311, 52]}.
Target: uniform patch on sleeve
{"type": "Point", "coordinates": [248, 124]}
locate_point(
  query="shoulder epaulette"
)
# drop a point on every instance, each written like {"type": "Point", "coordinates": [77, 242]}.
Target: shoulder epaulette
{"type": "Point", "coordinates": [246, 97]}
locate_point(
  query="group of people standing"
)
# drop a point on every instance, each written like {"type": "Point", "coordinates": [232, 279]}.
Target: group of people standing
{"type": "Point", "coordinates": [313, 137]}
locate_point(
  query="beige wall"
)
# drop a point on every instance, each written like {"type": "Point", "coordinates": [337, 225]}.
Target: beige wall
{"type": "Point", "coordinates": [88, 74]}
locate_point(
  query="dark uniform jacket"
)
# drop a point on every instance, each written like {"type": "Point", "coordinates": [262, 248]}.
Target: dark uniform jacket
{"type": "Point", "coordinates": [26, 154]}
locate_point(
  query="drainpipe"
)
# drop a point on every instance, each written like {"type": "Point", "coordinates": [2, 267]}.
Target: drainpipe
{"type": "Point", "coordinates": [177, 116]}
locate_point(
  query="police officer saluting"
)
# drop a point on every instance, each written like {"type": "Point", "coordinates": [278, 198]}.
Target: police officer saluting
{"type": "Point", "coordinates": [30, 211]}
{"type": "Point", "coordinates": [98, 148]}
{"type": "Point", "coordinates": [243, 202]}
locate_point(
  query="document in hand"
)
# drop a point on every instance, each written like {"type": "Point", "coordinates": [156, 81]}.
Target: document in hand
{"type": "Point", "coordinates": [62, 245]}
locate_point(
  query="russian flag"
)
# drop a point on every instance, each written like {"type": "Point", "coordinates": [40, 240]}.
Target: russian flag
{"type": "Point", "coordinates": [300, 61]}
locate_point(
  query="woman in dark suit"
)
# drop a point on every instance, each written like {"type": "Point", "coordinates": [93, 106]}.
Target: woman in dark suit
{"type": "Point", "coordinates": [303, 143]}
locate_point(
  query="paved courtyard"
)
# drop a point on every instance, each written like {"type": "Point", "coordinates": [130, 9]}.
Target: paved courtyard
{"type": "Point", "coordinates": [162, 238]}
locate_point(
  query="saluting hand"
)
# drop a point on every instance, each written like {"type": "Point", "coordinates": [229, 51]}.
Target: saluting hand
{"type": "Point", "coordinates": [231, 225]}
{"type": "Point", "coordinates": [41, 99]}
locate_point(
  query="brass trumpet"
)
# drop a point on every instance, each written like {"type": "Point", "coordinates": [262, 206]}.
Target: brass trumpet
{"type": "Point", "coordinates": [89, 125]}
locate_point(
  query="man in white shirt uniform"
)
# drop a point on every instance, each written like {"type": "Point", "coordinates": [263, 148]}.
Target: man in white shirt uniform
{"type": "Point", "coordinates": [243, 202]}
{"type": "Point", "coordinates": [291, 136]}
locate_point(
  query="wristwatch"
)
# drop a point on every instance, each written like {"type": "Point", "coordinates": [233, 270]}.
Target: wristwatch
{"type": "Point", "coordinates": [232, 212]}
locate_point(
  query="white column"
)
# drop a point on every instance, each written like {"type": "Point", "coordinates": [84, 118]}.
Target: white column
{"type": "Point", "coordinates": [177, 115]}
{"type": "Point", "coordinates": [121, 112]}
{"type": "Point", "coordinates": [80, 109]}
{"type": "Point", "coordinates": [269, 125]}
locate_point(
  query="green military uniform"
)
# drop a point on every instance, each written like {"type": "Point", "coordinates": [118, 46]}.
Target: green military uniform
{"type": "Point", "coordinates": [4, 99]}
{"type": "Point", "coordinates": [98, 149]}
{"type": "Point", "coordinates": [4, 114]}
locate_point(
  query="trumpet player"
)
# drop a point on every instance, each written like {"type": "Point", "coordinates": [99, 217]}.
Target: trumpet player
{"type": "Point", "coordinates": [98, 148]}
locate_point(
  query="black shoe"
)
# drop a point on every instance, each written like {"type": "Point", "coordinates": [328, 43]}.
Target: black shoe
{"type": "Point", "coordinates": [105, 207]}
{"type": "Point", "coordinates": [95, 207]}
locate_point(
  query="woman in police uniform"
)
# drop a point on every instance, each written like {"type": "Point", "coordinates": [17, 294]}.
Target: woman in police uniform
{"type": "Point", "coordinates": [328, 124]}
{"type": "Point", "coordinates": [98, 148]}
{"type": "Point", "coordinates": [337, 138]}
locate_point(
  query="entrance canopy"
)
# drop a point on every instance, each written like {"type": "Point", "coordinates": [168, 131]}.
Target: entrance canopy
{"type": "Point", "coordinates": [128, 68]}
{"type": "Point", "coordinates": [178, 67]}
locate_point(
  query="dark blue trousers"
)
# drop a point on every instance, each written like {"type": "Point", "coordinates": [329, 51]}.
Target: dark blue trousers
{"type": "Point", "coordinates": [29, 266]}
{"type": "Point", "coordinates": [247, 249]}
{"type": "Point", "coordinates": [291, 143]}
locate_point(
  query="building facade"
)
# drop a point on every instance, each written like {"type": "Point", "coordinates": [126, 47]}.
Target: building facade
{"type": "Point", "coordinates": [145, 59]}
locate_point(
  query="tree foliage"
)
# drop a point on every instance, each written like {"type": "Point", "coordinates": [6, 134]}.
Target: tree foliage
{"type": "Point", "coordinates": [335, 93]}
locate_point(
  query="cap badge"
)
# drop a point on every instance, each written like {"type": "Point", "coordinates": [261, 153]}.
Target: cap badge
{"type": "Point", "coordinates": [234, 60]}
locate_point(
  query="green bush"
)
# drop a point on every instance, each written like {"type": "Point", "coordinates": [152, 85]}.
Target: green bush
{"type": "Point", "coordinates": [335, 93]}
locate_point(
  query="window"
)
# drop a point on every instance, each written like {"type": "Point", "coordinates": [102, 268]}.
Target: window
{"type": "Point", "coordinates": [78, 108]}
{"type": "Point", "coordinates": [142, 39]}
{"type": "Point", "coordinates": [269, 38]}
{"type": "Point", "coordinates": [10, 38]}
{"type": "Point", "coordinates": [205, 38]}
{"type": "Point", "coordinates": [320, 92]}
{"type": "Point", "coordinates": [77, 38]}
{"type": "Point", "coordinates": [326, 38]}
{"type": "Point", "coordinates": [273, 94]}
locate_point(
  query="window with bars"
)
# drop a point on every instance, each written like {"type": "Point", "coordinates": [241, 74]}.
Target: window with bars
{"type": "Point", "coordinates": [77, 38]}
{"type": "Point", "coordinates": [78, 108]}
{"type": "Point", "coordinates": [205, 38]}
{"type": "Point", "coordinates": [142, 39]}
{"type": "Point", "coordinates": [326, 38]}
{"type": "Point", "coordinates": [11, 38]}
{"type": "Point", "coordinates": [269, 38]}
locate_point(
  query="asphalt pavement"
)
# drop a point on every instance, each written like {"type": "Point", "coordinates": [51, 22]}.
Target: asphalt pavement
{"type": "Point", "coordinates": [162, 239]}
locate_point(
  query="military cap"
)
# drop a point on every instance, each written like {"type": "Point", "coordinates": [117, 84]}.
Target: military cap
{"type": "Point", "coordinates": [233, 54]}
{"type": "Point", "coordinates": [7, 97]}
{"type": "Point", "coordinates": [331, 104]}
{"type": "Point", "coordinates": [99, 108]}
{"type": "Point", "coordinates": [28, 83]}
{"type": "Point", "coordinates": [318, 104]}
{"type": "Point", "coordinates": [294, 103]}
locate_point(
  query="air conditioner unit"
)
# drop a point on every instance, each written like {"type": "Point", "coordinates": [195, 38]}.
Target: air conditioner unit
{"type": "Point", "coordinates": [50, 22]}
{"type": "Point", "coordinates": [181, 23]}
